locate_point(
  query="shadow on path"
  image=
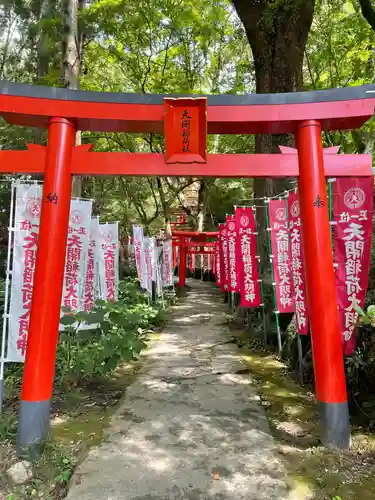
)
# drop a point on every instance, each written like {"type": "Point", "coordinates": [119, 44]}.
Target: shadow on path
{"type": "Point", "coordinates": [191, 427]}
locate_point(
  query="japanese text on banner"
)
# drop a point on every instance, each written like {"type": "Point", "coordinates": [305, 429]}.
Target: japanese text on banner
{"type": "Point", "coordinates": [27, 219]}
{"type": "Point", "coordinates": [279, 235]}
{"type": "Point", "coordinates": [247, 263]}
{"type": "Point", "coordinates": [299, 289]}
{"type": "Point", "coordinates": [224, 257]}
{"type": "Point", "coordinates": [91, 281]}
{"type": "Point", "coordinates": [138, 234]}
{"type": "Point", "coordinates": [167, 263]}
{"type": "Point", "coordinates": [218, 264]}
{"type": "Point", "coordinates": [76, 254]}
{"type": "Point", "coordinates": [352, 213]}
{"type": "Point", "coordinates": [109, 261]}
{"type": "Point", "coordinates": [231, 253]}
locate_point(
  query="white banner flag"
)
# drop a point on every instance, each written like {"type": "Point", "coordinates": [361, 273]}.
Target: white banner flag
{"type": "Point", "coordinates": [27, 217]}
{"type": "Point", "coordinates": [92, 278]}
{"type": "Point", "coordinates": [146, 264]}
{"type": "Point", "coordinates": [76, 254]}
{"type": "Point", "coordinates": [167, 262]}
{"type": "Point", "coordinates": [109, 261]}
{"type": "Point", "coordinates": [154, 258]}
{"type": "Point", "coordinates": [138, 235]}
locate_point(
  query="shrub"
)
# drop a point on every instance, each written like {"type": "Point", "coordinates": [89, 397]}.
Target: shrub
{"type": "Point", "coordinates": [93, 344]}
{"type": "Point", "coordinates": [117, 332]}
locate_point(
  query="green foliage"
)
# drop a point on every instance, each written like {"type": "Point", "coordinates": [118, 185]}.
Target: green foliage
{"type": "Point", "coordinates": [163, 46]}
{"type": "Point", "coordinates": [117, 332]}
{"type": "Point", "coordinates": [8, 426]}
{"type": "Point", "coordinates": [360, 366]}
{"type": "Point", "coordinates": [340, 53]}
{"type": "Point", "coordinates": [368, 317]}
{"type": "Point", "coordinates": [65, 464]}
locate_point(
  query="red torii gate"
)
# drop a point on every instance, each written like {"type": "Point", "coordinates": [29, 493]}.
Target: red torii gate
{"type": "Point", "coordinates": [185, 122]}
{"type": "Point", "coordinates": [199, 239]}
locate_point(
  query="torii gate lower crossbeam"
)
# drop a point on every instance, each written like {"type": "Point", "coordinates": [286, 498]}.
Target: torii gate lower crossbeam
{"type": "Point", "coordinates": [186, 122]}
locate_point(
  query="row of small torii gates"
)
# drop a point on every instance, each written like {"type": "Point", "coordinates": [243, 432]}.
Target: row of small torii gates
{"type": "Point", "coordinates": [185, 122]}
{"type": "Point", "coordinates": [189, 243]}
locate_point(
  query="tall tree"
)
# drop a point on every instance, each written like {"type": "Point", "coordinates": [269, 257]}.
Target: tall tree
{"type": "Point", "coordinates": [46, 11]}
{"type": "Point", "coordinates": [72, 50]}
{"type": "Point", "coordinates": [72, 53]}
{"type": "Point", "coordinates": [368, 11]}
{"type": "Point", "coordinates": [277, 32]}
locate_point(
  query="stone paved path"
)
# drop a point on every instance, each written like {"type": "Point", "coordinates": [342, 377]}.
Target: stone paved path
{"type": "Point", "coordinates": [191, 427]}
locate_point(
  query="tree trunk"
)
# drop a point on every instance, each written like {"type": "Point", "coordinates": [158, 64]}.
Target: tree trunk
{"type": "Point", "coordinates": [277, 33]}
{"type": "Point", "coordinates": [163, 200]}
{"type": "Point", "coordinates": [368, 12]}
{"type": "Point", "coordinates": [47, 8]}
{"type": "Point", "coordinates": [72, 61]}
{"type": "Point", "coordinates": [7, 26]}
{"type": "Point", "coordinates": [43, 58]}
{"type": "Point", "coordinates": [202, 205]}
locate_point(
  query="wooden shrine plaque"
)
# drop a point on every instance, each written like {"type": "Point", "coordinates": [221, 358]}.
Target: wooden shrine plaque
{"type": "Point", "coordinates": [185, 128]}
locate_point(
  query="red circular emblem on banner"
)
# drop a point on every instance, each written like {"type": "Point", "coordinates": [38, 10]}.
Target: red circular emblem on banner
{"type": "Point", "coordinates": [76, 217]}
{"type": "Point", "coordinates": [281, 213]}
{"type": "Point", "coordinates": [224, 232]}
{"type": "Point", "coordinates": [354, 197]}
{"type": "Point", "coordinates": [244, 220]}
{"type": "Point", "coordinates": [295, 208]}
{"type": "Point", "coordinates": [33, 207]}
{"type": "Point", "coordinates": [231, 226]}
{"type": "Point", "coordinates": [108, 236]}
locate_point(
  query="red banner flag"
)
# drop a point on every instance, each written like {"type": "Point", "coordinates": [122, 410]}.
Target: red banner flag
{"type": "Point", "coordinates": [223, 243]}
{"type": "Point", "coordinates": [281, 263]}
{"type": "Point", "coordinates": [192, 263]}
{"type": "Point", "coordinates": [210, 260]}
{"type": "Point", "coordinates": [296, 251]}
{"type": "Point", "coordinates": [247, 263]}
{"type": "Point", "coordinates": [352, 212]}
{"type": "Point", "coordinates": [218, 263]}
{"type": "Point", "coordinates": [232, 261]}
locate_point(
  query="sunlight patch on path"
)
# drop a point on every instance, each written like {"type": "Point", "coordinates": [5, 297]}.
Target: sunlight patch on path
{"type": "Point", "coordinates": [191, 427]}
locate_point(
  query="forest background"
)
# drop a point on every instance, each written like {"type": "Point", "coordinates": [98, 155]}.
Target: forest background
{"type": "Point", "coordinates": [194, 47]}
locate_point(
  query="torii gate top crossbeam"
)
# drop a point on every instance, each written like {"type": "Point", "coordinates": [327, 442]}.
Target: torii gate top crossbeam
{"type": "Point", "coordinates": [345, 108]}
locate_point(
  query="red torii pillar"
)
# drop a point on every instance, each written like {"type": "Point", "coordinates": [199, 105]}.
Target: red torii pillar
{"type": "Point", "coordinates": [183, 262]}
{"type": "Point", "coordinates": [34, 415]}
{"type": "Point", "coordinates": [330, 383]}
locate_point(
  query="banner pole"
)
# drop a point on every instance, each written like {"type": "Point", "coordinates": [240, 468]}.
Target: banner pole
{"type": "Point", "coordinates": [263, 313]}
{"type": "Point", "coordinates": [300, 358]}
{"type": "Point", "coordinates": [262, 305]}
{"type": "Point", "coordinates": [159, 279]}
{"type": "Point", "coordinates": [6, 298]}
{"type": "Point", "coordinates": [330, 212]}
{"type": "Point", "coordinates": [329, 182]}
{"type": "Point", "coordinates": [299, 341]}
{"type": "Point", "coordinates": [268, 229]}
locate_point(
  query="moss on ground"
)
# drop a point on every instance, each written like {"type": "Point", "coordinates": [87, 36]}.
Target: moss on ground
{"type": "Point", "coordinates": [314, 472]}
{"type": "Point", "coordinates": [79, 422]}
